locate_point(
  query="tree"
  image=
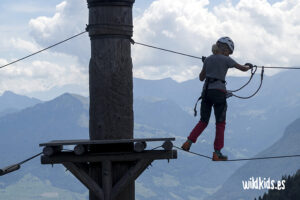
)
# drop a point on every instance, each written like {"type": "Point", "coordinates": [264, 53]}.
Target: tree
{"type": "Point", "coordinates": [291, 191]}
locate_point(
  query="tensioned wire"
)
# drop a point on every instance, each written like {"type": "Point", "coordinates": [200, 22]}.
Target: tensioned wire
{"type": "Point", "coordinates": [162, 49]}
{"type": "Point", "coordinates": [242, 159]}
{"type": "Point", "coordinates": [40, 51]}
{"type": "Point", "coordinates": [198, 154]}
{"type": "Point", "coordinates": [197, 57]}
{"type": "Point", "coordinates": [133, 42]}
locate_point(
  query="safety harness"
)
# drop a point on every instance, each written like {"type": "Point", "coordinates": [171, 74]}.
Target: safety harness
{"type": "Point", "coordinates": [229, 93]}
{"type": "Point", "coordinates": [208, 81]}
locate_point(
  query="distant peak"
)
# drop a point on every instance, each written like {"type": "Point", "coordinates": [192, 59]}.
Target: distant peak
{"type": "Point", "coordinates": [70, 95]}
{"type": "Point", "coordinates": [8, 93]}
{"type": "Point", "coordinates": [167, 80]}
{"type": "Point", "coordinates": [84, 100]}
{"type": "Point", "coordinates": [64, 96]}
{"type": "Point", "coordinates": [67, 97]}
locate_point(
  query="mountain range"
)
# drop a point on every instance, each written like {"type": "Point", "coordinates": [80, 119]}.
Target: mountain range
{"type": "Point", "coordinates": [162, 108]}
{"type": "Point", "coordinates": [10, 102]}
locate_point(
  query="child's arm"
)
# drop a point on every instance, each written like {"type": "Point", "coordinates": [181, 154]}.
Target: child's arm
{"type": "Point", "coordinates": [202, 75]}
{"type": "Point", "coordinates": [243, 68]}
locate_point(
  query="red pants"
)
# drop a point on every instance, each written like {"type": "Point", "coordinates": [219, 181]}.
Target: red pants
{"type": "Point", "coordinates": [219, 139]}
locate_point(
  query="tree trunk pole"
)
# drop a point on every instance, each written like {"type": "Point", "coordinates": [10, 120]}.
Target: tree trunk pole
{"type": "Point", "coordinates": [110, 80]}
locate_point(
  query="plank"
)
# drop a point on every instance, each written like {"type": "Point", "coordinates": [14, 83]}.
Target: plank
{"type": "Point", "coordinates": [114, 157]}
{"type": "Point", "coordinates": [91, 142]}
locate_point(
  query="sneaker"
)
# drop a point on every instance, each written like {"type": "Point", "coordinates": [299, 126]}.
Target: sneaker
{"type": "Point", "coordinates": [218, 156]}
{"type": "Point", "coordinates": [187, 145]}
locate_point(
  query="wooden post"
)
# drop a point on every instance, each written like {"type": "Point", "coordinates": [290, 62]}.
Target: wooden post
{"type": "Point", "coordinates": [111, 96]}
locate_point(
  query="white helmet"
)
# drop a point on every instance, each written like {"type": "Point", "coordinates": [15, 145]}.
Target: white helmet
{"type": "Point", "coordinates": [228, 41]}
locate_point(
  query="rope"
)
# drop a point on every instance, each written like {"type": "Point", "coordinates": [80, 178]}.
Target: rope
{"type": "Point", "coordinates": [197, 57]}
{"type": "Point", "coordinates": [133, 42]}
{"type": "Point", "coordinates": [252, 74]}
{"type": "Point", "coordinates": [24, 161]}
{"type": "Point", "coordinates": [167, 50]}
{"type": "Point", "coordinates": [241, 159]}
{"type": "Point", "coordinates": [261, 81]}
{"type": "Point", "coordinates": [265, 158]}
{"type": "Point", "coordinates": [157, 147]}
{"type": "Point", "coordinates": [49, 47]}
{"type": "Point", "coordinates": [198, 154]}
{"type": "Point", "coordinates": [279, 67]}
{"type": "Point", "coordinates": [17, 166]}
{"type": "Point", "coordinates": [229, 93]}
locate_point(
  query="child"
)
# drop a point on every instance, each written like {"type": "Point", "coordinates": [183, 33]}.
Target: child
{"type": "Point", "coordinates": [214, 71]}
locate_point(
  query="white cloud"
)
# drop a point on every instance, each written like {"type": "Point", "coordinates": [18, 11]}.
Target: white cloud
{"type": "Point", "coordinates": [50, 195]}
{"type": "Point", "coordinates": [143, 191]}
{"type": "Point", "coordinates": [166, 181]}
{"type": "Point", "coordinates": [21, 44]}
{"type": "Point", "coordinates": [44, 74]}
{"type": "Point", "coordinates": [264, 34]}
{"type": "Point", "coordinates": [69, 19]}
{"type": "Point", "coordinates": [3, 61]}
{"type": "Point", "coordinates": [63, 65]}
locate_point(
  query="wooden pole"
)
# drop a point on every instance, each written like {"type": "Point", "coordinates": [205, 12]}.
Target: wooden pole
{"type": "Point", "coordinates": [111, 96]}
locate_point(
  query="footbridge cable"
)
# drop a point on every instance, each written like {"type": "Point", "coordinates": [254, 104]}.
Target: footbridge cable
{"type": "Point", "coordinates": [242, 159]}
{"type": "Point", "coordinates": [49, 47]}
{"type": "Point", "coordinates": [197, 57]}
{"type": "Point", "coordinates": [17, 166]}
{"type": "Point", "coordinates": [133, 42]}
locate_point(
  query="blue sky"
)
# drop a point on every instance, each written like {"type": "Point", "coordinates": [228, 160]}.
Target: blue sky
{"type": "Point", "coordinates": [20, 11]}
{"type": "Point", "coordinates": [264, 33]}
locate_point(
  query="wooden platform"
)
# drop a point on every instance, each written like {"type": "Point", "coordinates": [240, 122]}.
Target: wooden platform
{"type": "Point", "coordinates": [114, 157]}
{"type": "Point", "coordinates": [91, 142]}
{"type": "Point", "coordinates": [88, 155]}
{"type": "Point", "coordinates": [104, 146]}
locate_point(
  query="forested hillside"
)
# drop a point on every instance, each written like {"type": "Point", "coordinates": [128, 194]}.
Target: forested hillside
{"type": "Point", "coordinates": [291, 191]}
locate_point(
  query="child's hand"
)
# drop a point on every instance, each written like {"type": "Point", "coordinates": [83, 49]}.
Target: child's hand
{"type": "Point", "coordinates": [250, 65]}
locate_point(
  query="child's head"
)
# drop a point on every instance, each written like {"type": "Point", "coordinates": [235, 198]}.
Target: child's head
{"type": "Point", "coordinates": [223, 49]}
{"type": "Point", "coordinates": [225, 46]}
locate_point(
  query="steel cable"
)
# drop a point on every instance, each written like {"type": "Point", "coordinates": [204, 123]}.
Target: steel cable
{"type": "Point", "coordinates": [49, 47]}
{"type": "Point", "coordinates": [242, 159]}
